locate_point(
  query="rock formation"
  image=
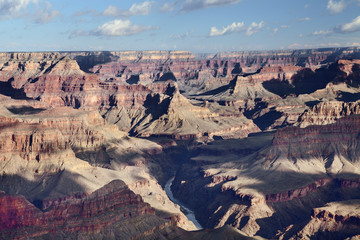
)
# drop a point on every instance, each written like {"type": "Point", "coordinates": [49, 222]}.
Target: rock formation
{"type": "Point", "coordinates": [335, 220]}
{"type": "Point", "coordinates": [256, 184]}
{"type": "Point", "coordinates": [265, 141]}
{"type": "Point", "coordinates": [50, 153]}
{"type": "Point", "coordinates": [78, 215]}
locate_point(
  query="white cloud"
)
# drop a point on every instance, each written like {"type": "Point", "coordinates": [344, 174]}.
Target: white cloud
{"type": "Point", "coordinates": [10, 8]}
{"type": "Point", "coordinates": [353, 44]}
{"type": "Point", "coordinates": [335, 7]}
{"type": "Point", "coordinates": [191, 5]}
{"type": "Point", "coordinates": [119, 27]}
{"type": "Point", "coordinates": [234, 27]}
{"type": "Point", "coordinates": [17, 9]}
{"type": "Point", "coordinates": [167, 7]}
{"type": "Point", "coordinates": [306, 5]}
{"type": "Point", "coordinates": [304, 19]}
{"type": "Point", "coordinates": [44, 15]}
{"type": "Point", "coordinates": [275, 30]}
{"type": "Point", "coordinates": [295, 45]}
{"type": "Point", "coordinates": [353, 26]}
{"type": "Point", "coordinates": [254, 27]}
{"type": "Point", "coordinates": [136, 9]}
{"type": "Point", "coordinates": [237, 27]}
{"type": "Point", "coordinates": [322, 32]}
{"type": "Point", "coordinates": [143, 8]}
{"type": "Point", "coordinates": [181, 36]}
{"type": "Point", "coordinates": [112, 11]}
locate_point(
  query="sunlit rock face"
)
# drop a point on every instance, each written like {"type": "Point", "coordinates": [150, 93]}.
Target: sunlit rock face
{"type": "Point", "coordinates": [264, 141]}
{"type": "Point", "coordinates": [272, 181]}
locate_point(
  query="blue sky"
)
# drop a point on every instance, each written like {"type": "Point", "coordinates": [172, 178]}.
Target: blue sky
{"type": "Point", "coordinates": [202, 26]}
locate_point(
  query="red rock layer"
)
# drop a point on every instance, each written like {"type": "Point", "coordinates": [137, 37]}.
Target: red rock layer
{"type": "Point", "coordinates": [328, 112]}
{"type": "Point", "coordinates": [344, 129]}
{"type": "Point", "coordinates": [49, 132]}
{"type": "Point", "coordinates": [80, 213]}
{"type": "Point", "coordinates": [316, 186]}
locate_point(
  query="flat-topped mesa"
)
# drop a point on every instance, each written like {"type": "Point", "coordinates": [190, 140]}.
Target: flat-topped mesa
{"type": "Point", "coordinates": [153, 55]}
{"type": "Point", "coordinates": [28, 56]}
{"type": "Point", "coordinates": [305, 57]}
{"type": "Point", "coordinates": [80, 214]}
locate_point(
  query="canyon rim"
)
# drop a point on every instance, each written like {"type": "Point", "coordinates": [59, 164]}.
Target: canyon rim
{"type": "Point", "coordinates": [259, 145]}
{"type": "Point", "coordinates": [180, 120]}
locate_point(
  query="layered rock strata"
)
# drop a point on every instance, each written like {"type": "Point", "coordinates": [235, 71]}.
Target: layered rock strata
{"type": "Point", "coordinates": [77, 215]}
{"type": "Point", "coordinates": [257, 185]}
{"type": "Point", "coordinates": [56, 152]}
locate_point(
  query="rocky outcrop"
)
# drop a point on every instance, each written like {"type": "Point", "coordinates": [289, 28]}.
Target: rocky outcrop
{"type": "Point", "coordinates": [48, 154]}
{"type": "Point", "coordinates": [135, 108]}
{"type": "Point", "coordinates": [333, 221]}
{"type": "Point", "coordinates": [54, 131]}
{"type": "Point", "coordinates": [343, 130]}
{"type": "Point", "coordinates": [256, 190]}
{"type": "Point", "coordinates": [118, 85]}
{"type": "Point", "coordinates": [79, 214]}
{"type": "Point", "coordinates": [327, 113]}
{"type": "Point", "coordinates": [61, 139]}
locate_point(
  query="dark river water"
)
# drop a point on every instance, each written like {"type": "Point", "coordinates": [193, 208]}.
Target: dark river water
{"type": "Point", "coordinates": [188, 212]}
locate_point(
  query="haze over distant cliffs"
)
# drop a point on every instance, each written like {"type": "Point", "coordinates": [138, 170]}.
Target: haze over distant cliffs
{"type": "Point", "coordinates": [260, 144]}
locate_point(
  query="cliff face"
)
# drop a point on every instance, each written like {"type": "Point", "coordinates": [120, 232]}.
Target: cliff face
{"type": "Point", "coordinates": [258, 189]}
{"type": "Point", "coordinates": [51, 153]}
{"type": "Point", "coordinates": [118, 85]}
{"type": "Point", "coordinates": [335, 220]}
{"type": "Point", "coordinates": [79, 214]}
{"type": "Point", "coordinates": [62, 118]}
{"type": "Point", "coordinates": [328, 112]}
{"type": "Point", "coordinates": [130, 103]}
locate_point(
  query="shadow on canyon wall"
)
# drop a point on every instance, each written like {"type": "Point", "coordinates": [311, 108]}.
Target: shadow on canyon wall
{"type": "Point", "coordinates": [307, 81]}
{"type": "Point", "coordinates": [209, 200]}
{"type": "Point", "coordinates": [7, 89]}
{"type": "Point", "coordinates": [25, 110]}
{"type": "Point", "coordinates": [89, 61]}
{"type": "Point", "coordinates": [192, 188]}
{"type": "Point", "coordinates": [39, 189]}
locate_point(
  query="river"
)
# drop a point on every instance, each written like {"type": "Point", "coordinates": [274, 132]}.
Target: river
{"type": "Point", "coordinates": [188, 212]}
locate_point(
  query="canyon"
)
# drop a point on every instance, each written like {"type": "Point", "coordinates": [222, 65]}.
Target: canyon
{"type": "Point", "coordinates": [262, 144]}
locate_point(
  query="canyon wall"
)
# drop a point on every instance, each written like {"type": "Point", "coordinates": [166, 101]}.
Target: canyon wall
{"type": "Point", "coordinates": [259, 187]}
{"type": "Point", "coordinates": [69, 124]}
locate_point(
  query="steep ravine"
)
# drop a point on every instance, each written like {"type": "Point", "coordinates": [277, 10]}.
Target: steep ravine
{"type": "Point", "coordinates": [188, 212]}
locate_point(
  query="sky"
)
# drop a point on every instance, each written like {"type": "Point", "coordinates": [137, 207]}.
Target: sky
{"type": "Point", "coordinates": [200, 26]}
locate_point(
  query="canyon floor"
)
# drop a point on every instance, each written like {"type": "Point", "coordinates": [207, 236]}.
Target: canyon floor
{"type": "Point", "coordinates": [260, 145]}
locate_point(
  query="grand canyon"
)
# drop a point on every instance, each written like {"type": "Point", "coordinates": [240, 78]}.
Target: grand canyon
{"type": "Point", "coordinates": [125, 144]}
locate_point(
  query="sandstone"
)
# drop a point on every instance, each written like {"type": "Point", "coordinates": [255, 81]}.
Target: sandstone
{"type": "Point", "coordinates": [80, 213]}
{"type": "Point", "coordinates": [336, 220]}
{"type": "Point", "coordinates": [68, 127]}
{"type": "Point", "coordinates": [247, 187]}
